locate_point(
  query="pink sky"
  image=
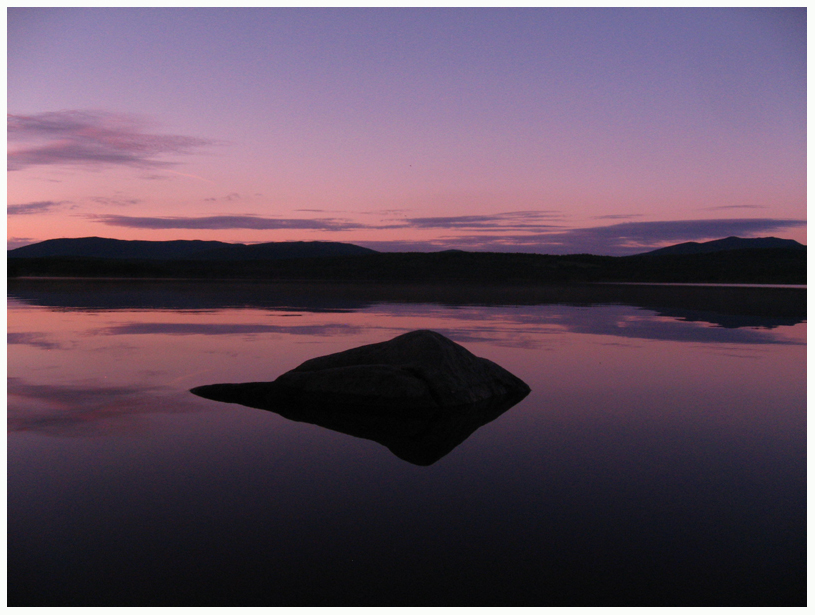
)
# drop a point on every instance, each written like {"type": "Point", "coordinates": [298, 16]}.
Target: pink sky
{"type": "Point", "coordinates": [576, 130]}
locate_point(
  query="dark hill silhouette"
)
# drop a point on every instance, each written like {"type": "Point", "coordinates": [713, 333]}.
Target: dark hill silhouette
{"type": "Point", "coordinates": [729, 243]}
{"type": "Point", "coordinates": [100, 247]}
{"type": "Point", "coordinates": [281, 250]}
{"type": "Point", "coordinates": [327, 262]}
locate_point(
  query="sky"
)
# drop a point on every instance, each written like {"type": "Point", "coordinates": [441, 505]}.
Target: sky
{"type": "Point", "coordinates": [556, 131]}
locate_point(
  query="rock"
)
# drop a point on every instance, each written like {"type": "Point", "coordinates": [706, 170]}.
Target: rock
{"type": "Point", "coordinates": [419, 394]}
{"type": "Point", "coordinates": [420, 369]}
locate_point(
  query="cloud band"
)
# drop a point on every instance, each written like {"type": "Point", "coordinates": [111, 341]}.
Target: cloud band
{"type": "Point", "coordinates": [91, 138]}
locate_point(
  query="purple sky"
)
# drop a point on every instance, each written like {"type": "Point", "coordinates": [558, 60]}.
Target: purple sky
{"type": "Point", "coordinates": [608, 131]}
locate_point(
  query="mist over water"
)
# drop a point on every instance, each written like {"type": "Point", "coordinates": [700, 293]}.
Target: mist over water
{"type": "Point", "coordinates": [660, 458]}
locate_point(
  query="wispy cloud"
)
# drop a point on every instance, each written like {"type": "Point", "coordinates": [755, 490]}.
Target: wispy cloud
{"type": "Point", "coordinates": [37, 207]}
{"type": "Point", "coordinates": [511, 220]}
{"type": "Point", "coordinates": [417, 246]}
{"type": "Point", "coordinates": [18, 242]}
{"type": "Point", "coordinates": [380, 212]}
{"type": "Point", "coordinates": [733, 207]}
{"type": "Point", "coordinates": [504, 232]}
{"type": "Point", "coordinates": [633, 237]}
{"type": "Point", "coordinates": [114, 200]}
{"type": "Point", "coordinates": [615, 239]}
{"type": "Point", "coordinates": [504, 222]}
{"type": "Point", "coordinates": [229, 222]}
{"type": "Point", "coordinates": [90, 138]}
{"type": "Point", "coordinates": [232, 196]}
{"type": "Point", "coordinates": [618, 217]}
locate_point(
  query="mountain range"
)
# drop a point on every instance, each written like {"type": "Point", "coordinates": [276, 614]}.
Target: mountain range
{"type": "Point", "coordinates": [100, 247]}
{"type": "Point", "coordinates": [729, 243]}
{"type": "Point", "coordinates": [727, 261]}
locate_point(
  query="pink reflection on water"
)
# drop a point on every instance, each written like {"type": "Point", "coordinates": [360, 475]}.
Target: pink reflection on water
{"type": "Point", "coordinates": [583, 363]}
{"type": "Point", "coordinates": [651, 447]}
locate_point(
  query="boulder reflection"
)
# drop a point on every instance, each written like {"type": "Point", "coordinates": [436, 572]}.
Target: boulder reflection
{"type": "Point", "coordinates": [420, 436]}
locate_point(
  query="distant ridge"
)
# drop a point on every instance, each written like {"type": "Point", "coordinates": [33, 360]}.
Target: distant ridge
{"type": "Point", "coordinates": [736, 261]}
{"type": "Point", "coordinates": [100, 247]}
{"type": "Point", "coordinates": [762, 266]}
{"type": "Point", "coordinates": [729, 243]}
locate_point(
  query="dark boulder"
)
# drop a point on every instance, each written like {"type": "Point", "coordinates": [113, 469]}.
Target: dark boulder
{"type": "Point", "coordinates": [420, 368]}
{"type": "Point", "coordinates": [419, 394]}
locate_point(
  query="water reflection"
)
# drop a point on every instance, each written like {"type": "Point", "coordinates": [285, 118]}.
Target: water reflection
{"type": "Point", "coordinates": [622, 321]}
{"type": "Point", "coordinates": [514, 330]}
{"type": "Point", "coordinates": [37, 340]}
{"type": "Point", "coordinates": [420, 436]}
{"type": "Point", "coordinates": [91, 409]}
{"type": "Point", "coordinates": [659, 460]}
{"type": "Point", "coordinates": [173, 328]}
{"type": "Point", "coordinates": [733, 315]}
{"type": "Point", "coordinates": [719, 305]}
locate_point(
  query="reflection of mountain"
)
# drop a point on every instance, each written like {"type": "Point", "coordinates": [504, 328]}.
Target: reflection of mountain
{"type": "Point", "coordinates": [420, 436]}
{"type": "Point", "coordinates": [728, 321]}
{"type": "Point", "coordinates": [720, 305]}
{"type": "Point", "coordinates": [644, 324]}
{"type": "Point", "coordinates": [185, 295]}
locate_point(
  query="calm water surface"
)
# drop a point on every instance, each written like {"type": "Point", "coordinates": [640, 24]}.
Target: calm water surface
{"type": "Point", "coordinates": [659, 460]}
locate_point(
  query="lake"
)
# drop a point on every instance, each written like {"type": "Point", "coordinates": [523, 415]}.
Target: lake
{"type": "Point", "coordinates": [660, 458]}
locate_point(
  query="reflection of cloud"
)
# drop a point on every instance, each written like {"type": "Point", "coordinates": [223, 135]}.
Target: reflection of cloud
{"type": "Point", "coordinates": [506, 337]}
{"type": "Point", "coordinates": [170, 328]}
{"type": "Point", "coordinates": [92, 138]}
{"type": "Point", "coordinates": [640, 323]}
{"type": "Point", "coordinates": [228, 222]}
{"type": "Point", "coordinates": [38, 207]}
{"type": "Point", "coordinates": [532, 327]}
{"type": "Point", "coordinates": [77, 410]}
{"type": "Point", "coordinates": [645, 324]}
{"type": "Point", "coordinates": [38, 340]}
